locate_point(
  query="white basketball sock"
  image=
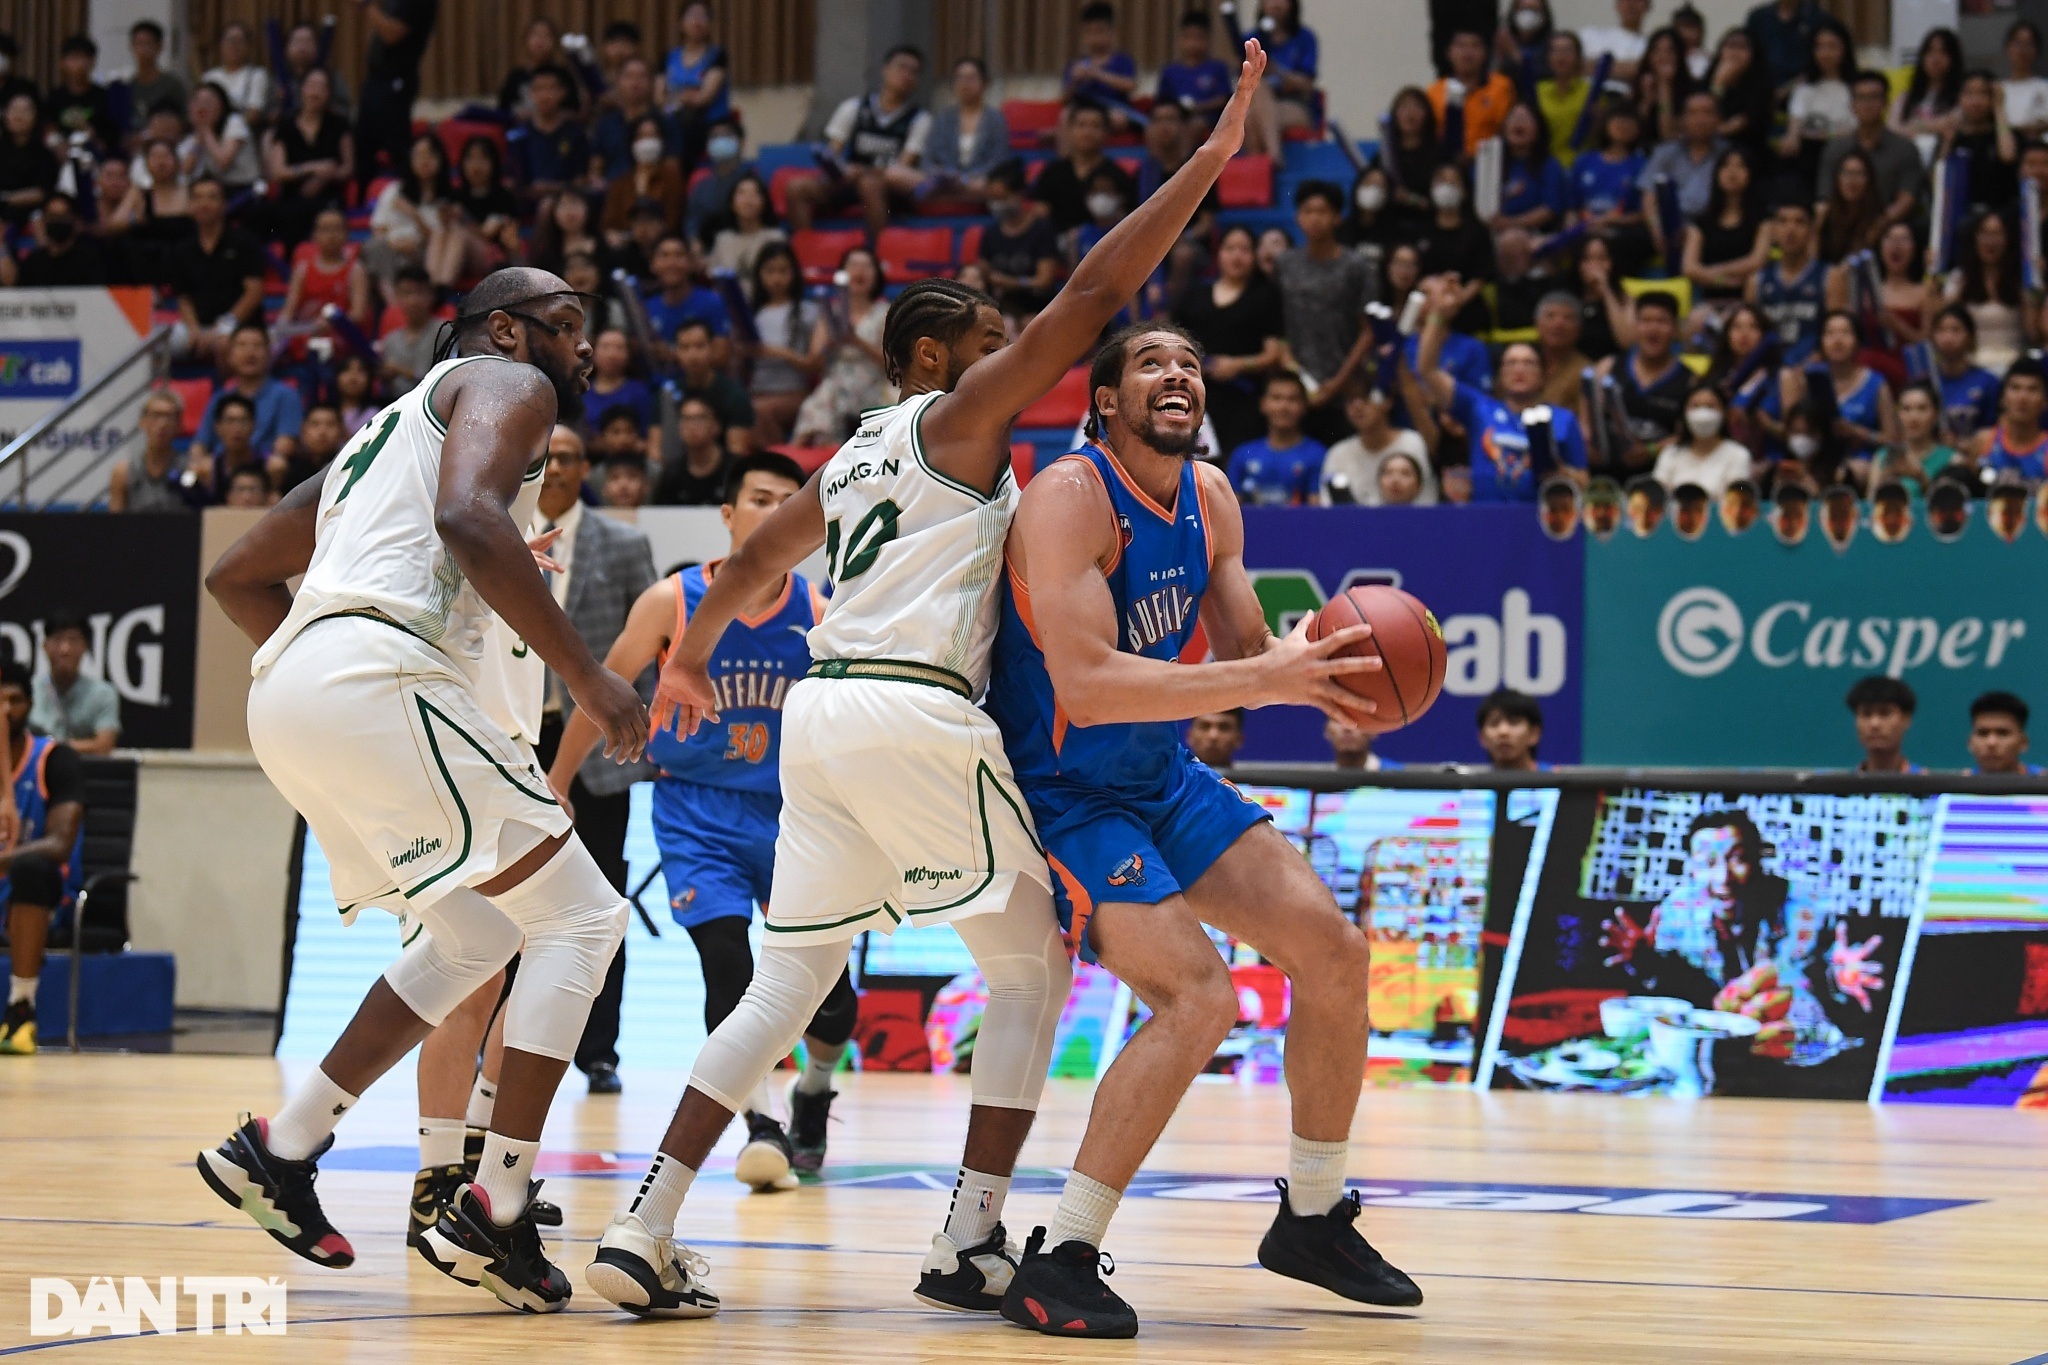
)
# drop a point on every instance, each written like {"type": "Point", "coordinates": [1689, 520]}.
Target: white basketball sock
{"type": "Point", "coordinates": [660, 1197]}
{"type": "Point", "coordinates": [1315, 1175]}
{"type": "Point", "coordinates": [977, 1207]}
{"type": "Point", "coordinates": [440, 1142]}
{"type": "Point", "coordinates": [503, 1175]}
{"type": "Point", "coordinates": [483, 1098]}
{"type": "Point", "coordinates": [20, 988]}
{"type": "Point", "coordinates": [308, 1118]}
{"type": "Point", "coordinates": [1086, 1206]}
{"type": "Point", "coordinates": [820, 1061]}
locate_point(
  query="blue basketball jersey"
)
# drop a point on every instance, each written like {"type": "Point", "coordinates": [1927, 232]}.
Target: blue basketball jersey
{"type": "Point", "coordinates": [756, 661]}
{"type": "Point", "coordinates": [1157, 581]}
{"type": "Point", "coordinates": [32, 803]}
{"type": "Point", "coordinates": [1793, 306]}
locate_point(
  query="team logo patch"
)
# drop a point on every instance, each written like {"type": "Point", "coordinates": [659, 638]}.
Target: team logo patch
{"type": "Point", "coordinates": [1129, 872]}
{"type": "Point", "coordinates": [679, 902]}
{"type": "Point", "coordinates": [1124, 527]}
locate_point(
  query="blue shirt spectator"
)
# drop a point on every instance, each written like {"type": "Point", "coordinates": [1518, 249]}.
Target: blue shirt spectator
{"type": "Point", "coordinates": [611, 136]}
{"type": "Point", "coordinates": [682, 74]}
{"type": "Point", "coordinates": [666, 315]}
{"type": "Point", "coordinates": [631, 393]}
{"type": "Point", "coordinates": [1524, 189]}
{"type": "Point", "coordinates": [1288, 475]}
{"type": "Point", "coordinates": [1200, 87]}
{"type": "Point", "coordinates": [560, 156]}
{"type": "Point", "coordinates": [279, 412]}
{"type": "Point", "coordinates": [1969, 401]}
{"type": "Point", "coordinates": [1465, 359]}
{"type": "Point", "coordinates": [1599, 185]}
{"type": "Point", "coordinates": [1502, 467]}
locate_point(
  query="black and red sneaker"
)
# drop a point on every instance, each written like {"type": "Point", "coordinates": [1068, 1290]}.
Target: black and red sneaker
{"type": "Point", "coordinates": [1061, 1293]}
{"type": "Point", "coordinates": [1326, 1250]}
{"type": "Point", "coordinates": [277, 1193]}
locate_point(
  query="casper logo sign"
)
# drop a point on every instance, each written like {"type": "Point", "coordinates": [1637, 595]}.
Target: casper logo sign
{"type": "Point", "coordinates": [1518, 647]}
{"type": "Point", "coordinates": [1701, 632]}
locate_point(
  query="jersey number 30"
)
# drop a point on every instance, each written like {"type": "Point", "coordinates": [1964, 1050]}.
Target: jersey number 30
{"type": "Point", "coordinates": [876, 528]}
{"type": "Point", "coordinates": [746, 743]}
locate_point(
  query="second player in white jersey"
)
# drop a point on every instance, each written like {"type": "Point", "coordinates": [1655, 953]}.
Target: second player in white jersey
{"type": "Point", "coordinates": [912, 553]}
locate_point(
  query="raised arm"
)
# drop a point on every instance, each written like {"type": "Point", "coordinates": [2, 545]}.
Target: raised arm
{"type": "Point", "coordinates": [792, 534]}
{"type": "Point", "coordinates": [649, 626]}
{"type": "Point", "coordinates": [1057, 547]}
{"type": "Point", "coordinates": [498, 418]}
{"type": "Point", "coordinates": [963, 432]}
{"type": "Point", "coordinates": [1441, 291]}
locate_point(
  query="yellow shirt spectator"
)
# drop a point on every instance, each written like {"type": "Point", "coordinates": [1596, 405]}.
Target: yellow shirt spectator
{"type": "Point", "coordinates": [1562, 104]}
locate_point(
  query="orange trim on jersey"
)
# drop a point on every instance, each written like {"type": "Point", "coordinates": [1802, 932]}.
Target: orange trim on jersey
{"type": "Point", "coordinates": [1083, 905]}
{"type": "Point", "coordinates": [1020, 597]}
{"type": "Point", "coordinates": [21, 764]}
{"type": "Point", "coordinates": [1116, 530]}
{"type": "Point", "coordinates": [750, 622]}
{"type": "Point", "coordinates": [43, 772]}
{"type": "Point", "coordinates": [682, 619]}
{"type": "Point", "coordinates": [1140, 494]}
{"type": "Point", "coordinates": [819, 602]}
{"type": "Point", "coordinates": [1202, 506]}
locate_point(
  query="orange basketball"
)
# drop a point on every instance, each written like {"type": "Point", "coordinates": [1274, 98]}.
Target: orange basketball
{"type": "Point", "coordinates": [1407, 641]}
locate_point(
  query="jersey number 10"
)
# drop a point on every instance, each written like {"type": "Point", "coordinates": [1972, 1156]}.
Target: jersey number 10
{"type": "Point", "coordinates": [876, 528]}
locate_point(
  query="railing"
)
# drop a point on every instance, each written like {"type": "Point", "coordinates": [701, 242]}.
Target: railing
{"type": "Point", "coordinates": [151, 357]}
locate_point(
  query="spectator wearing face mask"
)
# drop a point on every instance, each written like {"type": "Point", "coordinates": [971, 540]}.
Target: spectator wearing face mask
{"type": "Point", "coordinates": [724, 152]}
{"type": "Point", "coordinates": [1702, 455]}
{"type": "Point", "coordinates": [655, 177]}
{"type": "Point", "coordinates": [64, 257]}
{"type": "Point", "coordinates": [1020, 250]}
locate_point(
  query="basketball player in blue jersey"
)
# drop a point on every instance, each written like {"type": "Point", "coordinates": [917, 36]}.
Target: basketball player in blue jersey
{"type": "Point", "coordinates": [2016, 445]}
{"type": "Point", "coordinates": [43, 870]}
{"type": "Point", "coordinates": [1117, 552]}
{"type": "Point", "coordinates": [1791, 291]}
{"type": "Point", "coordinates": [719, 796]}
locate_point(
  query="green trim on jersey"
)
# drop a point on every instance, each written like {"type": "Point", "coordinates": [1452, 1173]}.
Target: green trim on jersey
{"type": "Point", "coordinates": [370, 614]}
{"type": "Point", "coordinates": [984, 777]}
{"type": "Point", "coordinates": [917, 449]}
{"type": "Point", "coordinates": [427, 406]}
{"type": "Point", "coordinates": [883, 908]}
{"type": "Point", "coordinates": [428, 711]}
{"type": "Point", "coordinates": [893, 670]}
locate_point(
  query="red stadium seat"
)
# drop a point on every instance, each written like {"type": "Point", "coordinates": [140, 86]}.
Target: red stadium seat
{"type": "Point", "coordinates": [779, 183]}
{"type": "Point", "coordinates": [699, 176]}
{"type": "Point", "coordinates": [1130, 164]}
{"type": "Point", "coordinates": [809, 458]}
{"type": "Point", "coordinates": [970, 242]}
{"type": "Point", "coordinates": [1023, 462]}
{"type": "Point", "coordinates": [820, 250]}
{"type": "Point", "coordinates": [1064, 407]}
{"type": "Point", "coordinates": [1246, 183]}
{"type": "Point", "coordinates": [1031, 121]}
{"type": "Point", "coordinates": [195, 394]}
{"type": "Point", "coordinates": [455, 133]}
{"type": "Point", "coordinates": [915, 253]}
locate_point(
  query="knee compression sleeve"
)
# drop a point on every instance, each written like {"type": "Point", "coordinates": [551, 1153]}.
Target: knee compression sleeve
{"type": "Point", "coordinates": [1025, 964]}
{"type": "Point", "coordinates": [467, 939]}
{"type": "Point", "coordinates": [834, 1021]}
{"type": "Point", "coordinates": [728, 962]}
{"type": "Point", "coordinates": [790, 982]}
{"type": "Point", "coordinates": [573, 920]}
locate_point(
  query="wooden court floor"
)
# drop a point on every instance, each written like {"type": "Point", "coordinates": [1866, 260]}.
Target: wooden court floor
{"type": "Point", "coordinates": [1917, 1234]}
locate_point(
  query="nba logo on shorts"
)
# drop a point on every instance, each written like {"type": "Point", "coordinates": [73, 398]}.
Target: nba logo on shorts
{"type": "Point", "coordinates": [1129, 872]}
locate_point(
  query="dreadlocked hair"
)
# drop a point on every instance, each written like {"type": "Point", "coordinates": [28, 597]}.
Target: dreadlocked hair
{"type": "Point", "coordinates": [1107, 371]}
{"type": "Point", "coordinates": [940, 309]}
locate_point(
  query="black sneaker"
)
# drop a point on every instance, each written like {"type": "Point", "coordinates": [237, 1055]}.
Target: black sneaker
{"type": "Point", "coordinates": [765, 1162]}
{"type": "Point", "coordinates": [1061, 1293]}
{"type": "Point", "coordinates": [466, 1246]}
{"type": "Point", "coordinates": [540, 1210]}
{"type": "Point", "coordinates": [1326, 1250]}
{"type": "Point", "coordinates": [604, 1079]}
{"type": "Point", "coordinates": [18, 1029]}
{"type": "Point", "coordinates": [277, 1193]}
{"type": "Point", "coordinates": [807, 1117]}
{"type": "Point", "coordinates": [433, 1189]}
{"type": "Point", "coordinates": [968, 1279]}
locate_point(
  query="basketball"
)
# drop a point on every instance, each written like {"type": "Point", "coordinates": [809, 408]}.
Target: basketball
{"type": "Point", "coordinates": [1408, 642]}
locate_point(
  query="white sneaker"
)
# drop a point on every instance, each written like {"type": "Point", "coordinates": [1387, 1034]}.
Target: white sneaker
{"type": "Point", "coordinates": [968, 1279]}
{"type": "Point", "coordinates": [649, 1276]}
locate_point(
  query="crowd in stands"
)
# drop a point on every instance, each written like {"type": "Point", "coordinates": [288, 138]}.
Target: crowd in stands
{"type": "Point", "coordinates": [1638, 251]}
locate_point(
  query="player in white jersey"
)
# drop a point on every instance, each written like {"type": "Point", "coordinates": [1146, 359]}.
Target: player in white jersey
{"type": "Point", "coordinates": [898, 801]}
{"type": "Point", "coordinates": [365, 713]}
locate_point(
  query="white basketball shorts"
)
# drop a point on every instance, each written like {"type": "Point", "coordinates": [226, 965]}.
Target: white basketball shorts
{"type": "Point", "coordinates": [898, 805]}
{"type": "Point", "coordinates": [381, 743]}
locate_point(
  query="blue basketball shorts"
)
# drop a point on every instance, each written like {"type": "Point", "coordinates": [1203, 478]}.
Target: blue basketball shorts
{"type": "Point", "coordinates": [717, 849]}
{"type": "Point", "coordinates": [1135, 848]}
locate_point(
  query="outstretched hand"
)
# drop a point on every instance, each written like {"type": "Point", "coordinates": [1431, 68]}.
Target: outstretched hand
{"type": "Point", "coordinates": [1228, 135]}
{"type": "Point", "coordinates": [683, 698]}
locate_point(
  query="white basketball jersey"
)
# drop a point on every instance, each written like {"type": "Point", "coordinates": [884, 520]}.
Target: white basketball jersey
{"type": "Point", "coordinates": [511, 682]}
{"type": "Point", "coordinates": [913, 555]}
{"type": "Point", "coordinates": [375, 546]}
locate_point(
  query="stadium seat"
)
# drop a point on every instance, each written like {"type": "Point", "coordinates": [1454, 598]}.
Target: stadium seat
{"type": "Point", "coordinates": [1246, 183]}
{"type": "Point", "coordinates": [915, 253]}
{"type": "Point", "coordinates": [456, 133]}
{"type": "Point", "coordinates": [1031, 121]}
{"type": "Point", "coordinates": [970, 243]}
{"type": "Point", "coordinates": [820, 250]}
{"type": "Point", "coordinates": [195, 394]}
{"type": "Point", "coordinates": [1063, 407]}
{"type": "Point", "coordinates": [780, 181]}
{"type": "Point", "coordinates": [1023, 462]}
{"type": "Point", "coordinates": [1678, 287]}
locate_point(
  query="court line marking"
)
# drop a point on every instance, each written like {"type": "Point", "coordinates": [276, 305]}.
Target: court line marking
{"type": "Point", "coordinates": [480, 1314]}
{"type": "Point", "coordinates": [2033, 1360]}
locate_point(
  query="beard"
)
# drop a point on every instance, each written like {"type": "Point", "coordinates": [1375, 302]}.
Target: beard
{"type": "Point", "coordinates": [568, 393]}
{"type": "Point", "coordinates": [1187, 445]}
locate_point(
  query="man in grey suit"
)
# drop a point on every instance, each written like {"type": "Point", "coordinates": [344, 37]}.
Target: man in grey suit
{"type": "Point", "coordinates": [606, 565]}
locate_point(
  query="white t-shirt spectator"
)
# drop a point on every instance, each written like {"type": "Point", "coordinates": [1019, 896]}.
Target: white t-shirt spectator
{"type": "Point", "coordinates": [1617, 42]}
{"type": "Point", "coordinates": [242, 168]}
{"type": "Point", "coordinates": [1360, 468]}
{"type": "Point", "coordinates": [1820, 109]}
{"type": "Point", "coordinates": [248, 89]}
{"type": "Point", "coordinates": [1677, 465]}
{"type": "Point", "coordinates": [2026, 102]}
